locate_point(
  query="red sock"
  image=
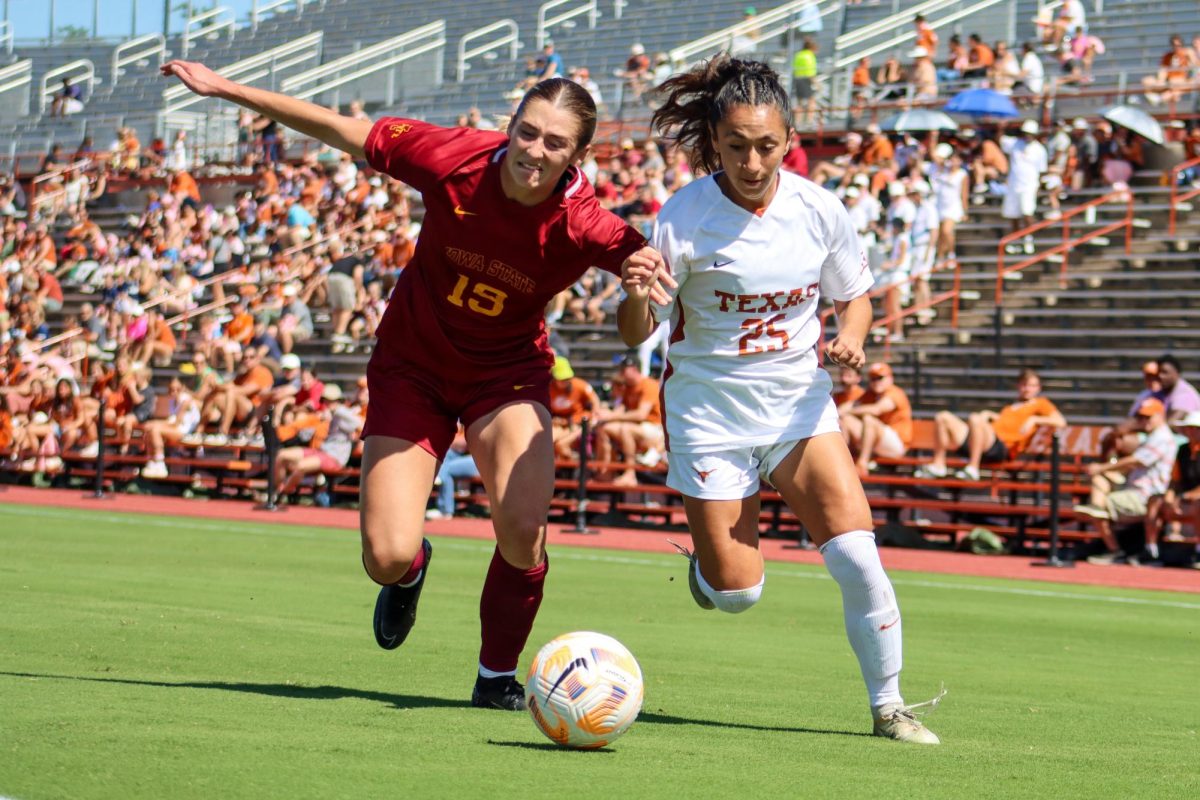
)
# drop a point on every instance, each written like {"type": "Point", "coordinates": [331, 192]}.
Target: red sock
{"type": "Point", "coordinates": [418, 564]}
{"type": "Point", "coordinates": [507, 608]}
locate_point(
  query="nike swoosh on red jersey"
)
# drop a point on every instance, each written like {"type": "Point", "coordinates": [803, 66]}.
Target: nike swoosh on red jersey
{"type": "Point", "coordinates": [521, 386]}
{"type": "Point", "coordinates": [462, 212]}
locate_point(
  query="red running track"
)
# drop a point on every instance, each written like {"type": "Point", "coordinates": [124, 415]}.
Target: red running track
{"type": "Point", "coordinates": [937, 561]}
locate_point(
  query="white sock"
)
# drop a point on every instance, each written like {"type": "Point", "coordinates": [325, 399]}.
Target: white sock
{"type": "Point", "coordinates": [731, 601]}
{"type": "Point", "coordinates": [872, 616]}
{"type": "Point", "coordinates": [484, 672]}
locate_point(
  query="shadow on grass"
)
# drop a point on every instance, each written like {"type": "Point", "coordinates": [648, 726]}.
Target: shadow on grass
{"type": "Point", "coordinates": [295, 692]}
{"type": "Point", "coordinates": [548, 747]}
{"type": "Point", "coordinates": [665, 719]}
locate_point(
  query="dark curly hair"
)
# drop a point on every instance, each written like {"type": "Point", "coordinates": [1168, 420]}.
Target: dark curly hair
{"type": "Point", "coordinates": [698, 99]}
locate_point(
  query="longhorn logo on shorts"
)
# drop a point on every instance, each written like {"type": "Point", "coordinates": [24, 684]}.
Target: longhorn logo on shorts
{"type": "Point", "coordinates": [702, 473]}
{"type": "Point", "coordinates": [399, 129]}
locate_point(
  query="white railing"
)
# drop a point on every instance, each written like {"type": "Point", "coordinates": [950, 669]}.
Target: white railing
{"type": "Point", "coordinates": [81, 70]}
{"type": "Point", "coordinates": [763, 27]}
{"type": "Point", "coordinates": [266, 64]}
{"type": "Point", "coordinates": [619, 8]}
{"type": "Point", "coordinates": [208, 23]}
{"type": "Point", "coordinates": [15, 77]}
{"type": "Point", "coordinates": [910, 34]}
{"type": "Point", "coordinates": [509, 38]}
{"type": "Point", "coordinates": [369, 61]}
{"type": "Point", "coordinates": [6, 36]}
{"type": "Point", "coordinates": [546, 22]}
{"type": "Point", "coordinates": [896, 21]}
{"type": "Point", "coordinates": [135, 50]}
{"type": "Point", "coordinates": [260, 8]}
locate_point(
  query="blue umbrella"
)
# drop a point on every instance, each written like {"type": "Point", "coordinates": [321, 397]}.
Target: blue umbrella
{"type": "Point", "coordinates": [982, 103]}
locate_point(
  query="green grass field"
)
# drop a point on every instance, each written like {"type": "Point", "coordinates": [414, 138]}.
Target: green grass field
{"type": "Point", "coordinates": [146, 657]}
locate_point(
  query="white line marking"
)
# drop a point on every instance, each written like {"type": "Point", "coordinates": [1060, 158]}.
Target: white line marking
{"type": "Point", "coordinates": [274, 530]}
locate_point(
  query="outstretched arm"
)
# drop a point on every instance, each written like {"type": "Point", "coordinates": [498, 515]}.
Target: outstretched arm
{"type": "Point", "coordinates": [332, 128]}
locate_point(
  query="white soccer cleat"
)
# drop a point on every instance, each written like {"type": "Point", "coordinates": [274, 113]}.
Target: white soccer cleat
{"type": "Point", "coordinates": [898, 721]}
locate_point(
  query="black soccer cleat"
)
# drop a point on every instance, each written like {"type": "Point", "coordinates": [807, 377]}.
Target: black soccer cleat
{"type": "Point", "coordinates": [396, 607]}
{"type": "Point", "coordinates": [504, 693]}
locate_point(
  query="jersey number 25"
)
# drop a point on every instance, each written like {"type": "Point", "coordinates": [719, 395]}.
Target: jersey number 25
{"type": "Point", "coordinates": [762, 336]}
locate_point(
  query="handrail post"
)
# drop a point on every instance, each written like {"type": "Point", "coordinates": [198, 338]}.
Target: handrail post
{"type": "Point", "coordinates": [98, 490]}
{"type": "Point", "coordinates": [957, 294]}
{"type": "Point", "coordinates": [581, 495]}
{"type": "Point", "coordinates": [1053, 559]}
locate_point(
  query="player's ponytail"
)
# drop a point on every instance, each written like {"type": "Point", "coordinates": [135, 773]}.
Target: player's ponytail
{"type": "Point", "coordinates": [569, 95]}
{"type": "Point", "coordinates": [698, 99]}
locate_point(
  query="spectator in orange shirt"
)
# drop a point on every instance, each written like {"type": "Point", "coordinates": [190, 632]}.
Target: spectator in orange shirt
{"type": "Point", "coordinates": [880, 421]}
{"type": "Point", "coordinates": [159, 343]}
{"type": "Point", "coordinates": [571, 399]}
{"type": "Point", "coordinates": [879, 149]}
{"type": "Point", "coordinates": [240, 329]}
{"type": "Point", "coordinates": [988, 437]}
{"type": "Point", "coordinates": [236, 401]}
{"type": "Point", "coordinates": [926, 36]}
{"type": "Point", "coordinates": [1173, 79]}
{"type": "Point", "coordinates": [635, 425]}
{"type": "Point", "coordinates": [184, 187]}
{"type": "Point", "coordinates": [979, 58]}
{"type": "Point", "coordinates": [851, 389]}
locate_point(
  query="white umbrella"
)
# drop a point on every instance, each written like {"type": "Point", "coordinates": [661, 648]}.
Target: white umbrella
{"type": "Point", "coordinates": [919, 119]}
{"type": "Point", "coordinates": [1135, 120]}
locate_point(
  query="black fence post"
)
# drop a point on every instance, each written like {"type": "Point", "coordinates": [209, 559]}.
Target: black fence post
{"type": "Point", "coordinates": [998, 343]}
{"type": "Point", "coordinates": [1053, 560]}
{"type": "Point", "coordinates": [271, 442]}
{"type": "Point", "coordinates": [581, 493]}
{"type": "Point", "coordinates": [98, 487]}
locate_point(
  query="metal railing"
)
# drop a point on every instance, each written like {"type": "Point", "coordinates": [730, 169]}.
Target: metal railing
{"type": "Point", "coordinates": [952, 295]}
{"type": "Point", "coordinates": [1178, 193]}
{"type": "Point", "coordinates": [1068, 243]}
{"type": "Point", "coordinates": [208, 24]}
{"type": "Point", "coordinates": [762, 28]}
{"type": "Point", "coordinates": [508, 38]}
{"type": "Point", "coordinates": [266, 64]}
{"type": "Point", "coordinates": [260, 8]}
{"type": "Point", "coordinates": [6, 37]}
{"type": "Point", "coordinates": [369, 61]}
{"type": "Point", "coordinates": [75, 70]}
{"type": "Point", "coordinates": [15, 77]}
{"type": "Point", "coordinates": [135, 50]}
{"type": "Point", "coordinates": [546, 22]}
{"type": "Point", "coordinates": [842, 65]}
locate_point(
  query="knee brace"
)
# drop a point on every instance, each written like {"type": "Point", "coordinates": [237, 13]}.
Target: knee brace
{"type": "Point", "coordinates": [732, 601]}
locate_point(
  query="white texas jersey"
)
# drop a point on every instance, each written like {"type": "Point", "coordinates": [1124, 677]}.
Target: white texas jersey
{"type": "Point", "coordinates": [742, 366]}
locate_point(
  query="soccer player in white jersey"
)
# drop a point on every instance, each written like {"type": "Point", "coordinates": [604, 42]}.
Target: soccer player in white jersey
{"type": "Point", "coordinates": [752, 250]}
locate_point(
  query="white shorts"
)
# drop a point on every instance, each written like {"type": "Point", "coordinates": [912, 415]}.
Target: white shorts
{"type": "Point", "coordinates": [650, 431]}
{"type": "Point", "coordinates": [890, 445]}
{"type": "Point", "coordinates": [922, 258]}
{"type": "Point", "coordinates": [736, 473]}
{"type": "Point", "coordinates": [1019, 204]}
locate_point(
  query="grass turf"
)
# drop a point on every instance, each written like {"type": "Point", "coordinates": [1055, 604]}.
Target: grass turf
{"type": "Point", "coordinates": [145, 657]}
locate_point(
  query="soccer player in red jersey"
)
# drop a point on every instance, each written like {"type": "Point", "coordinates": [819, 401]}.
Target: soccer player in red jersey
{"type": "Point", "coordinates": [510, 222]}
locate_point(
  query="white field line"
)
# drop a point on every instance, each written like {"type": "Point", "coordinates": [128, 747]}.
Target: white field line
{"type": "Point", "coordinates": [280, 531]}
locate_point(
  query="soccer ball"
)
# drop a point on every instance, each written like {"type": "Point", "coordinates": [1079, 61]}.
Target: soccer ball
{"type": "Point", "coordinates": [584, 689]}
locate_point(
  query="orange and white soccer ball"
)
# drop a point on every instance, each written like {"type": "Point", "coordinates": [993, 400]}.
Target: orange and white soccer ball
{"type": "Point", "coordinates": [584, 689]}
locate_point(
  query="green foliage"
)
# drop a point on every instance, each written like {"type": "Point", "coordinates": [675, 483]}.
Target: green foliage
{"type": "Point", "coordinates": [149, 657]}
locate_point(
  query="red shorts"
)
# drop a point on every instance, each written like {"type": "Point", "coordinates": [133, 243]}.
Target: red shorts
{"type": "Point", "coordinates": [412, 402]}
{"type": "Point", "coordinates": [328, 462]}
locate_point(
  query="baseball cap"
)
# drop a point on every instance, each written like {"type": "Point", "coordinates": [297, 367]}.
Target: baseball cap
{"type": "Point", "coordinates": [852, 191]}
{"type": "Point", "coordinates": [290, 290]}
{"type": "Point", "coordinates": [879, 370]}
{"type": "Point", "coordinates": [1192, 420]}
{"type": "Point", "coordinates": [1080, 124]}
{"type": "Point", "coordinates": [1030, 126]}
{"type": "Point", "coordinates": [1150, 368]}
{"type": "Point", "coordinates": [627, 144]}
{"type": "Point", "coordinates": [1150, 407]}
{"type": "Point", "coordinates": [895, 189]}
{"type": "Point", "coordinates": [331, 392]}
{"type": "Point", "coordinates": [862, 179]}
{"type": "Point", "coordinates": [874, 129]}
{"type": "Point", "coordinates": [289, 361]}
{"type": "Point", "coordinates": [561, 371]}
{"type": "Point", "coordinates": [919, 186]}
{"type": "Point", "coordinates": [944, 150]}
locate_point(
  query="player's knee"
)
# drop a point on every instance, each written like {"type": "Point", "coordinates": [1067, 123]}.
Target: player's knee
{"type": "Point", "coordinates": [386, 559]}
{"type": "Point", "coordinates": [733, 601]}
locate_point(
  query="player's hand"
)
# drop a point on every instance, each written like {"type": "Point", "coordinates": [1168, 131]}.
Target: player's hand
{"type": "Point", "coordinates": [197, 77]}
{"type": "Point", "coordinates": [645, 273]}
{"type": "Point", "coordinates": [846, 351]}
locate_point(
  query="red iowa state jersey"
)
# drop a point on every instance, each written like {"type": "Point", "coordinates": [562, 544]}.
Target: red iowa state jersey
{"type": "Point", "coordinates": [485, 266]}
